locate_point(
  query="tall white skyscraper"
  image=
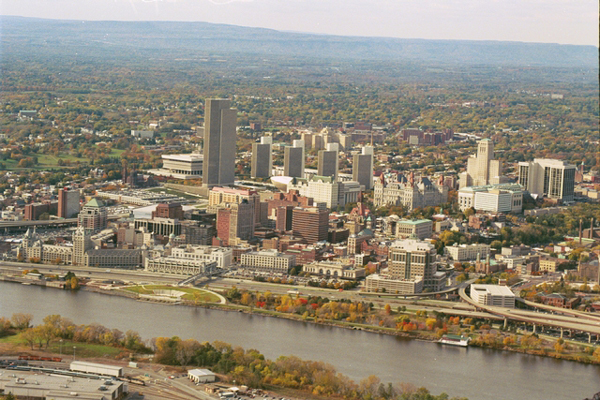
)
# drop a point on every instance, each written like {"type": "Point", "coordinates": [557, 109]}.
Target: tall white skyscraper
{"type": "Point", "coordinates": [482, 169]}
{"type": "Point", "coordinates": [219, 143]}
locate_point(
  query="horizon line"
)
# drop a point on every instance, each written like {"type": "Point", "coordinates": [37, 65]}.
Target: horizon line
{"type": "Point", "coordinates": [296, 32]}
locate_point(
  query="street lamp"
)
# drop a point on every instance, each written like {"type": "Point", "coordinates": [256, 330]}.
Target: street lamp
{"type": "Point", "coordinates": [61, 342]}
{"type": "Point", "coordinates": [74, 347]}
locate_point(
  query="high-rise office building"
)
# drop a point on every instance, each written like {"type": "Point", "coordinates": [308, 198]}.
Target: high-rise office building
{"type": "Point", "coordinates": [93, 216]}
{"type": "Point", "coordinates": [310, 224]}
{"type": "Point", "coordinates": [554, 179]}
{"type": "Point", "coordinates": [293, 160]}
{"type": "Point", "coordinates": [235, 222]}
{"type": "Point", "coordinates": [411, 259]}
{"type": "Point", "coordinates": [482, 169]}
{"type": "Point", "coordinates": [68, 203]}
{"type": "Point", "coordinates": [262, 158]}
{"type": "Point", "coordinates": [219, 195]}
{"type": "Point", "coordinates": [81, 244]}
{"type": "Point", "coordinates": [328, 161]}
{"type": "Point", "coordinates": [219, 143]}
{"type": "Point", "coordinates": [362, 167]}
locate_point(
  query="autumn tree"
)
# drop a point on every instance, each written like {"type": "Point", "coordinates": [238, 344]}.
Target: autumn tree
{"type": "Point", "coordinates": [21, 320]}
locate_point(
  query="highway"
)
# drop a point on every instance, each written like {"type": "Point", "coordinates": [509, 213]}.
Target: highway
{"type": "Point", "coordinates": [585, 323]}
{"type": "Point", "coordinates": [50, 222]}
{"type": "Point", "coordinates": [577, 321]}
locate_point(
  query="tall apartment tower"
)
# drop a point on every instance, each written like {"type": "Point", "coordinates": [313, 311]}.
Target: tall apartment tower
{"type": "Point", "coordinates": [219, 143]}
{"type": "Point", "coordinates": [68, 203]}
{"type": "Point", "coordinates": [482, 169]}
{"type": "Point", "coordinates": [262, 158]}
{"type": "Point", "coordinates": [554, 179]}
{"type": "Point", "coordinates": [293, 160]}
{"type": "Point", "coordinates": [310, 224]}
{"type": "Point", "coordinates": [362, 167]}
{"type": "Point", "coordinates": [328, 161]}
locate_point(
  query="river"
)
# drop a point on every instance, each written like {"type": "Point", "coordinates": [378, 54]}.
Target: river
{"type": "Point", "coordinates": [479, 374]}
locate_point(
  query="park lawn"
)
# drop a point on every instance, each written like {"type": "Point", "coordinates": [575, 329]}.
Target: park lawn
{"type": "Point", "coordinates": [149, 289]}
{"type": "Point", "coordinates": [116, 152]}
{"type": "Point", "coordinates": [51, 160]}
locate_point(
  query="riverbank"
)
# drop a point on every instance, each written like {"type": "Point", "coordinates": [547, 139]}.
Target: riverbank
{"type": "Point", "coordinates": [484, 337]}
{"type": "Point", "coordinates": [150, 375]}
{"type": "Point", "coordinates": [355, 353]}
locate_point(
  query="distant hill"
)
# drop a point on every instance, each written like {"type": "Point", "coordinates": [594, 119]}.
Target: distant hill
{"type": "Point", "coordinates": [195, 39]}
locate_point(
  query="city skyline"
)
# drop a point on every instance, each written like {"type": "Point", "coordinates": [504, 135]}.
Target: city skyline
{"type": "Point", "coordinates": [543, 21]}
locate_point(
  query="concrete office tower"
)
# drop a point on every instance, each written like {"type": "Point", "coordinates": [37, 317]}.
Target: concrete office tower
{"type": "Point", "coordinates": [328, 161]}
{"type": "Point", "coordinates": [68, 203]}
{"type": "Point", "coordinates": [219, 143]}
{"type": "Point", "coordinates": [362, 167]}
{"type": "Point", "coordinates": [293, 160]}
{"type": "Point", "coordinates": [311, 225]}
{"type": "Point", "coordinates": [554, 179]}
{"type": "Point", "coordinates": [262, 158]}
{"type": "Point", "coordinates": [482, 169]}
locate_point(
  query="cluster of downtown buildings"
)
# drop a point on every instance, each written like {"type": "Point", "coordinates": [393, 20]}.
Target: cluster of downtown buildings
{"type": "Point", "coordinates": [267, 231]}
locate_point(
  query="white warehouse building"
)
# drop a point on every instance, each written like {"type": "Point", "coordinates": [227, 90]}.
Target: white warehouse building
{"type": "Point", "coordinates": [493, 295]}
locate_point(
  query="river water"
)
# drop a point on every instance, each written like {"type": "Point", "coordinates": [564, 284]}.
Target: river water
{"type": "Point", "coordinates": [478, 374]}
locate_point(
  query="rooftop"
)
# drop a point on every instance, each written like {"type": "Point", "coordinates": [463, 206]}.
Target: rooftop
{"type": "Point", "coordinates": [494, 290]}
{"type": "Point", "coordinates": [413, 221]}
{"type": "Point", "coordinates": [193, 157]}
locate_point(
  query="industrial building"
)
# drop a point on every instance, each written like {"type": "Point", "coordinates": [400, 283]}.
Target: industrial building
{"type": "Point", "coordinates": [30, 385]}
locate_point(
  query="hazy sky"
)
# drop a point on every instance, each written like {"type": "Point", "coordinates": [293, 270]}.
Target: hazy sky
{"type": "Point", "coordinates": [549, 21]}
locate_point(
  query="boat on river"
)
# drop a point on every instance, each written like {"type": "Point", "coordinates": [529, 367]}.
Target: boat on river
{"type": "Point", "coordinates": [455, 340]}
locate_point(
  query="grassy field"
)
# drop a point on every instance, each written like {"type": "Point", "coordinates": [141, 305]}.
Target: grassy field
{"type": "Point", "coordinates": [51, 160]}
{"type": "Point", "coordinates": [66, 347]}
{"type": "Point", "coordinates": [46, 161]}
{"type": "Point", "coordinates": [191, 294]}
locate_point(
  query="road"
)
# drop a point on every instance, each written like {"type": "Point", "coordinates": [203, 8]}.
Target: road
{"type": "Point", "coordinates": [586, 323]}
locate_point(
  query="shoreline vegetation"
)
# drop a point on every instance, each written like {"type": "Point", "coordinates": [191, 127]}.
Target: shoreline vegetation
{"type": "Point", "coordinates": [310, 379]}
{"type": "Point", "coordinates": [361, 315]}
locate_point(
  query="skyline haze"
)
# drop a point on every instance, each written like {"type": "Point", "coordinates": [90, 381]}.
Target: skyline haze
{"type": "Point", "coordinates": [543, 21]}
